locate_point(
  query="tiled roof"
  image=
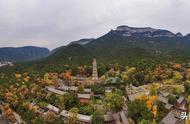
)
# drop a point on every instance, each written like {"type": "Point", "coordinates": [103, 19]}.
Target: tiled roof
{"type": "Point", "coordinates": [169, 119]}
{"type": "Point", "coordinates": [86, 96]}
{"type": "Point", "coordinates": [53, 108]}
{"type": "Point", "coordinates": [180, 100]}
{"type": "Point", "coordinates": [52, 89]}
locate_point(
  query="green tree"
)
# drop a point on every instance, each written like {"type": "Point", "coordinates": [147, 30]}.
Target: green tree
{"type": "Point", "coordinates": [187, 88]}
{"type": "Point", "coordinates": [39, 120]}
{"type": "Point", "coordinates": [98, 89]}
{"type": "Point", "coordinates": [172, 100]}
{"type": "Point", "coordinates": [70, 100]}
{"type": "Point", "coordinates": [61, 100]}
{"type": "Point", "coordinates": [145, 122]}
{"type": "Point", "coordinates": [58, 121]}
{"type": "Point", "coordinates": [86, 109]}
{"type": "Point", "coordinates": [139, 76]}
{"type": "Point", "coordinates": [153, 89]}
{"type": "Point", "coordinates": [161, 111]}
{"type": "Point", "coordinates": [138, 111]}
{"type": "Point", "coordinates": [97, 118]}
{"type": "Point", "coordinates": [28, 115]}
{"type": "Point", "coordinates": [113, 102]}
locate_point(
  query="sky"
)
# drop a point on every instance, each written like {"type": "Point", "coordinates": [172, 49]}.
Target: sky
{"type": "Point", "coordinates": [54, 23]}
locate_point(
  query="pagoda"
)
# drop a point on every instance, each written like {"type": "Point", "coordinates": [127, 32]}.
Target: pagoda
{"type": "Point", "coordinates": [94, 70]}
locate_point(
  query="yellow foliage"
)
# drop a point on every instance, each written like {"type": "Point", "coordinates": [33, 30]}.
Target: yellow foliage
{"type": "Point", "coordinates": [143, 97]}
{"type": "Point", "coordinates": [187, 121]}
{"type": "Point", "coordinates": [46, 79]}
{"type": "Point", "coordinates": [188, 98]}
{"type": "Point", "coordinates": [26, 78]}
{"type": "Point", "coordinates": [18, 75]}
{"type": "Point", "coordinates": [149, 104]}
{"type": "Point", "coordinates": [154, 110]}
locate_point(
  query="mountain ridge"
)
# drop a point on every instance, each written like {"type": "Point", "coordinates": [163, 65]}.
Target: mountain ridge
{"type": "Point", "coordinates": [25, 53]}
{"type": "Point", "coordinates": [127, 44]}
{"type": "Point", "coordinates": [124, 45]}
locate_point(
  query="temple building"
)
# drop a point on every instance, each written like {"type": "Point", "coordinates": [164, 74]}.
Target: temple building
{"type": "Point", "coordinates": [94, 70]}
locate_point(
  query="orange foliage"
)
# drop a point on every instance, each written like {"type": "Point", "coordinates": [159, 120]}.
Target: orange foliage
{"type": "Point", "coordinates": [67, 75]}
{"type": "Point", "coordinates": [150, 103]}
{"type": "Point", "coordinates": [177, 66]}
{"type": "Point", "coordinates": [9, 114]}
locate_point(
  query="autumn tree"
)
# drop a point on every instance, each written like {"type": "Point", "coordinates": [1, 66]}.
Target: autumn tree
{"type": "Point", "coordinates": [46, 79]}
{"type": "Point", "coordinates": [153, 89]}
{"type": "Point", "coordinates": [49, 117]}
{"type": "Point", "coordinates": [23, 92]}
{"type": "Point", "coordinates": [8, 113]}
{"type": "Point", "coordinates": [177, 66]}
{"type": "Point", "coordinates": [73, 115]}
{"type": "Point", "coordinates": [81, 88]}
{"type": "Point", "coordinates": [81, 70]}
{"type": "Point", "coordinates": [67, 76]}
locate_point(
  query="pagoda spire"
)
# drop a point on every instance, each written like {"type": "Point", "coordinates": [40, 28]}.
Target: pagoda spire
{"type": "Point", "coordinates": [94, 70]}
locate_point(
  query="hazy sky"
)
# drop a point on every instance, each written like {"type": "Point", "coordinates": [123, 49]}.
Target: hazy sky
{"type": "Point", "coordinates": [52, 23]}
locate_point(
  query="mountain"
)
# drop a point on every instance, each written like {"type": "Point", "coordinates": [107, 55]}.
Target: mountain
{"type": "Point", "coordinates": [82, 41]}
{"type": "Point", "coordinates": [127, 45]}
{"type": "Point", "coordinates": [145, 32]}
{"type": "Point", "coordinates": [27, 53]}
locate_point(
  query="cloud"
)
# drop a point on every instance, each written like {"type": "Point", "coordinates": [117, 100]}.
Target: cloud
{"type": "Point", "coordinates": [52, 23]}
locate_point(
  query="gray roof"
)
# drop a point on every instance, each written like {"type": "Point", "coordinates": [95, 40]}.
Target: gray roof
{"type": "Point", "coordinates": [168, 106]}
{"type": "Point", "coordinates": [87, 90]}
{"type": "Point", "coordinates": [80, 117]}
{"type": "Point", "coordinates": [64, 113]}
{"type": "Point", "coordinates": [64, 87]}
{"type": "Point", "coordinates": [134, 96]}
{"type": "Point", "coordinates": [165, 94]}
{"type": "Point", "coordinates": [169, 119]}
{"type": "Point", "coordinates": [123, 117]}
{"type": "Point", "coordinates": [84, 118]}
{"type": "Point", "coordinates": [73, 88]}
{"type": "Point", "coordinates": [52, 89]}
{"type": "Point", "coordinates": [163, 99]}
{"type": "Point", "coordinates": [17, 117]}
{"type": "Point", "coordinates": [180, 100]}
{"type": "Point", "coordinates": [108, 117]}
{"type": "Point", "coordinates": [53, 108]}
{"type": "Point", "coordinates": [86, 96]}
